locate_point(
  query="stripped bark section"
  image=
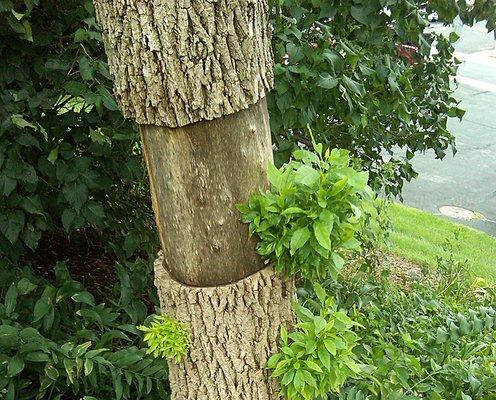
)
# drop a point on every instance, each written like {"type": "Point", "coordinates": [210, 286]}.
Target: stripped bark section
{"type": "Point", "coordinates": [179, 62]}
{"type": "Point", "coordinates": [197, 174]}
{"type": "Point", "coordinates": [233, 331]}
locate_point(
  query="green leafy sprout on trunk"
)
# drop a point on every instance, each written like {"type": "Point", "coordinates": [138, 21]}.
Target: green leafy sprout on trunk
{"type": "Point", "coordinates": [312, 214]}
{"type": "Point", "coordinates": [167, 338]}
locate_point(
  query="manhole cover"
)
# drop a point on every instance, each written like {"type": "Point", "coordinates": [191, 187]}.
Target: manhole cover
{"type": "Point", "coordinates": [459, 213]}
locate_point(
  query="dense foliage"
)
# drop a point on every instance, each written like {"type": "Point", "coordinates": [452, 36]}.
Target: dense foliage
{"type": "Point", "coordinates": [70, 163]}
{"type": "Point", "coordinates": [317, 357]}
{"type": "Point", "coordinates": [434, 340]}
{"type": "Point", "coordinates": [312, 214]}
{"type": "Point", "coordinates": [166, 337]}
{"type": "Point", "coordinates": [342, 67]}
{"type": "Point", "coordinates": [57, 342]}
{"type": "Point", "coordinates": [366, 338]}
{"type": "Point", "coordinates": [68, 159]}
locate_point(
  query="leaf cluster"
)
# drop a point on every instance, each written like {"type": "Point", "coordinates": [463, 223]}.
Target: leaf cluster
{"type": "Point", "coordinates": [422, 343]}
{"type": "Point", "coordinates": [340, 67]}
{"type": "Point", "coordinates": [68, 159]}
{"type": "Point", "coordinates": [166, 337]}
{"type": "Point", "coordinates": [312, 214]}
{"type": "Point", "coordinates": [317, 357]}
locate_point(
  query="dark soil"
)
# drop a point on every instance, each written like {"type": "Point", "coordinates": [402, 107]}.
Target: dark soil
{"type": "Point", "coordinates": [87, 260]}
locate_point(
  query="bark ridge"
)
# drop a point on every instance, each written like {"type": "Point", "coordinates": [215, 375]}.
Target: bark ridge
{"type": "Point", "coordinates": [176, 62]}
{"type": "Point", "coordinates": [234, 329]}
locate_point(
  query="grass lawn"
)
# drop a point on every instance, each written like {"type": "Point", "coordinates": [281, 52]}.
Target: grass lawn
{"type": "Point", "coordinates": [419, 236]}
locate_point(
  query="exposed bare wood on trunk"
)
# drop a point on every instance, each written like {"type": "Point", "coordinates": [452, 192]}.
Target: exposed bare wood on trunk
{"type": "Point", "coordinates": [181, 61]}
{"type": "Point", "coordinates": [233, 331]}
{"type": "Point", "coordinates": [198, 173]}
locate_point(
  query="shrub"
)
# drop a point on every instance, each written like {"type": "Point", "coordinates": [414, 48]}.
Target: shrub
{"type": "Point", "coordinates": [68, 159]}
{"type": "Point", "coordinates": [339, 67]}
{"type": "Point", "coordinates": [425, 342]}
{"type": "Point", "coordinates": [56, 341]}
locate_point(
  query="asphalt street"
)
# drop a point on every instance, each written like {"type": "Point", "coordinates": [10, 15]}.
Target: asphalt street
{"type": "Point", "coordinates": [467, 180]}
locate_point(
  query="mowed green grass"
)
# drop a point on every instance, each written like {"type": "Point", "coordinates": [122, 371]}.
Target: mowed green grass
{"type": "Point", "coordinates": [419, 236]}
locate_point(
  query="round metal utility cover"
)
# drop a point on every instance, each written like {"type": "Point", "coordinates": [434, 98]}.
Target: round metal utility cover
{"type": "Point", "coordinates": [458, 212]}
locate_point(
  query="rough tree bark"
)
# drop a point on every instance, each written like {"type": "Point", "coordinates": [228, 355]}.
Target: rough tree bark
{"type": "Point", "coordinates": [194, 74]}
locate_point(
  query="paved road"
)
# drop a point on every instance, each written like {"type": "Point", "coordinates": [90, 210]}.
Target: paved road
{"type": "Point", "coordinates": [468, 179]}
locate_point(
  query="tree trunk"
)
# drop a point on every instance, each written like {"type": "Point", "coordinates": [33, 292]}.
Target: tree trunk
{"type": "Point", "coordinates": [194, 74]}
{"type": "Point", "coordinates": [233, 330]}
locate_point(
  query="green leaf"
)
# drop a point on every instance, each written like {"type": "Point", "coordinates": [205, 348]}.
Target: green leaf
{"type": "Point", "coordinates": [85, 68]}
{"type": "Point", "coordinates": [76, 88]}
{"type": "Point", "coordinates": [25, 286]}
{"type": "Point", "coordinates": [360, 13]}
{"type": "Point", "coordinates": [338, 261]}
{"type": "Point", "coordinates": [32, 205]}
{"type": "Point", "coordinates": [324, 357]}
{"type": "Point", "coordinates": [299, 239]}
{"type": "Point", "coordinates": [322, 234]}
{"type": "Point", "coordinates": [320, 324]}
{"type": "Point", "coordinates": [41, 308]}
{"type": "Point", "coordinates": [299, 380]}
{"type": "Point", "coordinates": [15, 366]}
{"type": "Point", "coordinates": [354, 86]}
{"type": "Point", "coordinates": [84, 297]}
{"type": "Point", "coordinates": [441, 335]}
{"type": "Point", "coordinates": [10, 300]}
{"type": "Point", "coordinates": [313, 366]}
{"type": "Point", "coordinates": [12, 224]}
{"type": "Point", "coordinates": [88, 366]}
{"type": "Point", "coordinates": [327, 81]}
{"type": "Point", "coordinates": [330, 346]}
{"type": "Point", "coordinates": [7, 185]}
{"type": "Point", "coordinates": [76, 194]}
{"type": "Point", "coordinates": [338, 186]}
{"type": "Point", "coordinates": [53, 155]}
{"type": "Point", "coordinates": [320, 292]}
{"type": "Point", "coordinates": [9, 336]}
{"type": "Point", "coordinates": [20, 122]}
{"type": "Point", "coordinates": [68, 216]}
{"type": "Point", "coordinates": [351, 244]}
{"type": "Point", "coordinates": [274, 360]}
{"type": "Point", "coordinates": [275, 176]}
{"type": "Point", "coordinates": [287, 378]}
{"type": "Point", "coordinates": [306, 175]}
